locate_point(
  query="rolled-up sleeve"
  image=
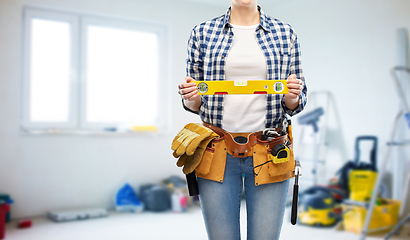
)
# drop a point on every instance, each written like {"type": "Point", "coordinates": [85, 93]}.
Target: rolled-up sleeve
{"type": "Point", "coordinates": [194, 61]}
{"type": "Point", "coordinates": [296, 68]}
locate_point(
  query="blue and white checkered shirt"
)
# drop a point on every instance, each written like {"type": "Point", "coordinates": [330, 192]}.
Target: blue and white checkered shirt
{"type": "Point", "coordinates": [209, 45]}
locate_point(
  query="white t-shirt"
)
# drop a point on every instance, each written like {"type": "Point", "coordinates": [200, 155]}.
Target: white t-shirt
{"type": "Point", "coordinates": [245, 61]}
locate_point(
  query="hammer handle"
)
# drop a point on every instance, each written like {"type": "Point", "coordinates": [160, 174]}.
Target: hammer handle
{"type": "Point", "coordinates": [192, 184]}
{"type": "Point", "coordinates": [294, 204]}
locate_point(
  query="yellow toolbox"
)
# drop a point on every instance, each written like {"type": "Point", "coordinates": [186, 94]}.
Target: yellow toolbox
{"type": "Point", "coordinates": [384, 217]}
{"type": "Point", "coordinates": [241, 87]}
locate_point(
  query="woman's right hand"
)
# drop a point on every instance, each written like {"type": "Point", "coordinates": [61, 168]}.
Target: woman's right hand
{"type": "Point", "coordinates": [188, 90]}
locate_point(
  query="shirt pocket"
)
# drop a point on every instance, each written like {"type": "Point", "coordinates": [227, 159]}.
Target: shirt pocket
{"type": "Point", "coordinates": [214, 61]}
{"type": "Point", "coordinates": [280, 63]}
{"type": "Point", "coordinates": [284, 65]}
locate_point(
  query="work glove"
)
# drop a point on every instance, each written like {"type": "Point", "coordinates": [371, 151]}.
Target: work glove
{"type": "Point", "coordinates": [188, 139]}
{"type": "Point", "coordinates": [190, 162]}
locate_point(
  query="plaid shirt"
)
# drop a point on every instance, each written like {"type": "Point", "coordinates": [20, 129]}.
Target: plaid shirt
{"type": "Point", "coordinates": [209, 45]}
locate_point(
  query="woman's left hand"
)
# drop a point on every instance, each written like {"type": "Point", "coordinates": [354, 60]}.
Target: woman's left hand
{"type": "Point", "coordinates": [295, 87]}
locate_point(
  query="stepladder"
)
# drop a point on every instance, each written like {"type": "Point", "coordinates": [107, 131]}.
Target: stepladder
{"type": "Point", "coordinates": [404, 215]}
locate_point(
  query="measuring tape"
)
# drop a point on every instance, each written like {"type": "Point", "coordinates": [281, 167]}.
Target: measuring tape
{"type": "Point", "coordinates": [241, 87]}
{"type": "Point", "coordinates": [279, 154]}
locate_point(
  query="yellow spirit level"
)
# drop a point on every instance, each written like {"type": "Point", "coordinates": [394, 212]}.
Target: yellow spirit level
{"type": "Point", "coordinates": [242, 87]}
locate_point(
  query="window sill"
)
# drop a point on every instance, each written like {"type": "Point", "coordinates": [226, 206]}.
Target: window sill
{"type": "Point", "coordinates": [97, 133]}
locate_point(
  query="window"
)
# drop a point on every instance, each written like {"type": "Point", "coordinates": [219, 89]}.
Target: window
{"type": "Point", "coordinates": [92, 73]}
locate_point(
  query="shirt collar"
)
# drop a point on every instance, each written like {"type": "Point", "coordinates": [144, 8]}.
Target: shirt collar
{"type": "Point", "coordinates": [263, 19]}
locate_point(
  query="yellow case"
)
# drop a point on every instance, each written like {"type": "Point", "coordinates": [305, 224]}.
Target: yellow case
{"type": "Point", "coordinates": [384, 217]}
{"type": "Point", "coordinates": [242, 87]}
{"type": "Point", "coordinates": [361, 184]}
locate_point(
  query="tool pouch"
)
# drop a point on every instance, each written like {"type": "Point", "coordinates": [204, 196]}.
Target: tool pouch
{"type": "Point", "coordinates": [261, 154]}
{"type": "Point", "coordinates": [272, 172]}
{"type": "Point", "coordinates": [213, 161]}
{"type": "Point", "coordinates": [276, 169]}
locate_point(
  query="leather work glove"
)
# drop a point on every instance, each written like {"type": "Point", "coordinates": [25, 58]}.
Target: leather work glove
{"type": "Point", "coordinates": [190, 162]}
{"type": "Point", "coordinates": [188, 139]}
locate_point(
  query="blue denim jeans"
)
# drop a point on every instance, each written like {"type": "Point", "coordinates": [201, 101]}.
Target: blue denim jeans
{"type": "Point", "coordinates": [220, 203]}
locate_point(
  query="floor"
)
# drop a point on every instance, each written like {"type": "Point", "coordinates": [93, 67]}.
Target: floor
{"type": "Point", "coordinates": [168, 225]}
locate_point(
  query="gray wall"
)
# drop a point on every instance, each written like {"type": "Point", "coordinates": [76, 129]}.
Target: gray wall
{"type": "Point", "coordinates": [348, 49]}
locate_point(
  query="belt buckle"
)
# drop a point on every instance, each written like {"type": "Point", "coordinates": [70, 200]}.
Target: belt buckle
{"type": "Point", "coordinates": [241, 140]}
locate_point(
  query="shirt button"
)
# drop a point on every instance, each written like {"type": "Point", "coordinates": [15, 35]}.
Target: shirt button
{"type": "Point", "coordinates": [223, 56]}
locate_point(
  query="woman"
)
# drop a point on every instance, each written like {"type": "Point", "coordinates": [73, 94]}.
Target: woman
{"type": "Point", "coordinates": [243, 44]}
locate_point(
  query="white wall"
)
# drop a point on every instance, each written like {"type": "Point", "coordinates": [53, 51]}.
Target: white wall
{"type": "Point", "coordinates": [48, 172]}
{"type": "Point", "coordinates": [348, 48]}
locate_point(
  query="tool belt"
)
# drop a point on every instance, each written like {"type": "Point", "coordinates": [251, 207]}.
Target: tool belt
{"type": "Point", "coordinates": [242, 145]}
{"type": "Point", "coordinates": [243, 150]}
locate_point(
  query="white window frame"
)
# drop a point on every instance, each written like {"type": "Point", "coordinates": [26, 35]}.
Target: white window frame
{"type": "Point", "coordinates": [73, 92]}
{"type": "Point", "coordinates": [77, 110]}
{"type": "Point", "coordinates": [117, 24]}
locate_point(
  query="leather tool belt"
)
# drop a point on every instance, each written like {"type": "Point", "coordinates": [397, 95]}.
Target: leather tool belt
{"type": "Point", "coordinates": [242, 145]}
{"type": "Point", "coordinates": [243, 149]}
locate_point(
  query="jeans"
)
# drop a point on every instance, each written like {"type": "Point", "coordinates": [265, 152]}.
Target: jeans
{"type": "Point", "coordinates": [220, 203]}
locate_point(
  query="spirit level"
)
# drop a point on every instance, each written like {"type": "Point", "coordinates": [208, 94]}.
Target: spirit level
{"type": "Point", "coordinates": [241, 87]}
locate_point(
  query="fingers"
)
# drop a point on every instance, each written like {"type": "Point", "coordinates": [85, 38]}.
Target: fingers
{"type": "Point", "coordinates": [191, 96]}
{"type": "Point", "coordinates": [188, 90]}
{"type": "Point", "coordinates": [186, 85]}
{"type": "Point", "coordinates": [188, 79]}
{"type": "Point", "coordinates": [294, 93]}
{"type": "Point", "coordinates": [295, 86]}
